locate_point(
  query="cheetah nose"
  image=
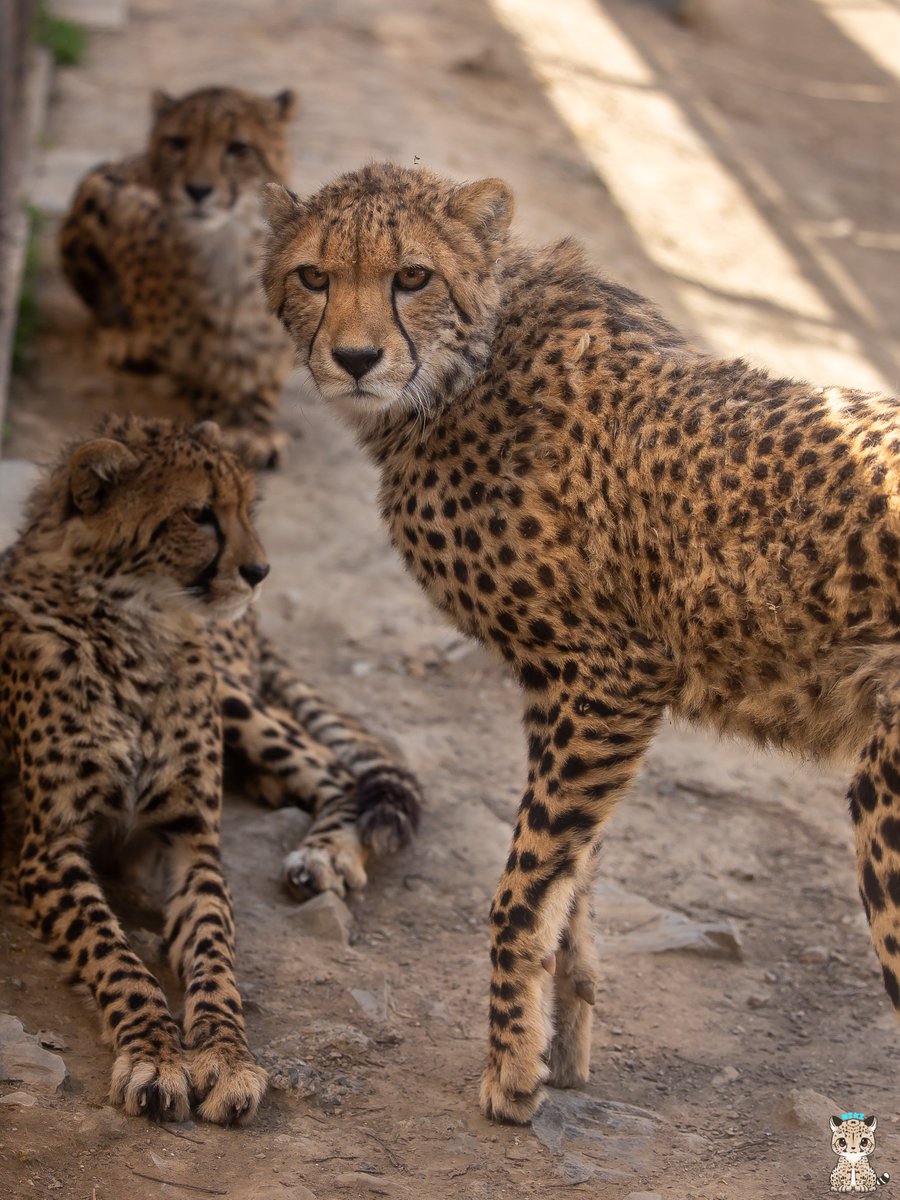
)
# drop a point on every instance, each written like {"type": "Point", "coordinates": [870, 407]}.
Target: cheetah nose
{"type": "Point", "coordinates": [198, 191]}
{"type": "Point", "coordinates": [254, 573]}
{"type": "Point", "coordinates": [357, 362]}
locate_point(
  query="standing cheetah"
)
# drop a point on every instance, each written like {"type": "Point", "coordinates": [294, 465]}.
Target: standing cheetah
{"type": "Point", "coordinates": [109, 728]}
{"type": "Point", "coordinates": [163, 249]}
{"type": "Point", "coordinates": [631, 524]}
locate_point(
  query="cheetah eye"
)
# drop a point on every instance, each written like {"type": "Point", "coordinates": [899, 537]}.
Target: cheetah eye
{"type": "Point", "coordinates": [238, 149]}
{"type": "Point", "coordinates": [842, 1142]}
{"type": "Point", "coordinates": [411, 279]}
{"type": "Point", "coordinates": [313, 278]}
{"type": "Point", "coordinates": [202, 516]}
{"type": "Point", "coordinates": [864, 1142]}
{"type": "Point", "coordinates": [176, 143]}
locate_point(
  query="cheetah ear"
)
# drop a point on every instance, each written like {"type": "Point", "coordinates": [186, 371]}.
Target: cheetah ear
{"type": "Point", "coordinates": [486, 206]}
{"type": "Point", "coordinates": [836, 1122]}
{"type": "Point", "coordinates": [281, 207]}
{"type": "Point", "coordinates": [207, 432]}
{"type": "Point", "coordinates": [285, 104]}
{"type": "Point", "coordinates": [161, 102]}
{"type": "Point", "coordinates": [871, 1122]}
{"type": "Point", "coordinates": [96, 469]}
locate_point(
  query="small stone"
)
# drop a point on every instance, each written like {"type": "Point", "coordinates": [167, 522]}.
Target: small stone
{"type": "Point", "coordinates": [20, 1099]}
{"type": "Point", "coordinates": [50, 1040]}
{"type": "Point", "coordinates": [807, 1111]}
{"type": "Point", "coordinates": [813, 954]}
{"type": "Point", "coordinates": [759, 999]}
{"type": "Point", "coordinates": [325, 916]}
{"type": "Point", "coordinates": [643, 1196]}
{"type": "Point", "coordinates": [18, 984]}
{"type": "Point", "coordinates": [24, 1060]}
{"type": "Point", "coordinates": [727, 1075]}
{"type": "Point", "coordinates": [770, 977]}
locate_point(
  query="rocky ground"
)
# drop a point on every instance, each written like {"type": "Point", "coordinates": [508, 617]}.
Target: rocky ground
{"type": "Point", "coordinates": [742, 168]}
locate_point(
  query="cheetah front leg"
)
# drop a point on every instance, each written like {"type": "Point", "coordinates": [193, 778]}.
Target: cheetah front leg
{"type": "Point", "coordinates": [67, 905]}
{"type": "Point", "coordinates": [199, 934]}
{"type": "Point", "coordinates": [331, 857]}
{"type": "Point", "coordinates": [875, 809]}
{"type": "Point", "coordinates": [585, 744]}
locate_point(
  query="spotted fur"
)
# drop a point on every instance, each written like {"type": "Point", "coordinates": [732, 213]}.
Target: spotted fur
{"type": "Point", "coordinates": [631, 524]}
{"type": "Point", "coordinates": [163, 249]}
{"type": "Point", "coordinates": [109, 729]}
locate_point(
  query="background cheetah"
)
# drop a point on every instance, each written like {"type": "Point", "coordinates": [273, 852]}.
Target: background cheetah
{"type": "Point", "coordinates": [631, 524]}
{"type": "Point", "coordinates": [163, 250]}
{"type": "Point", "coordinates": [109, 729]}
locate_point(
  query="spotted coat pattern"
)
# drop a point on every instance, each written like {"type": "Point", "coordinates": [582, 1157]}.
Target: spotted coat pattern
{"type": "Point", "coordinates": [631, 524]}
{"type": "Point", "coordinates": [163, 249]}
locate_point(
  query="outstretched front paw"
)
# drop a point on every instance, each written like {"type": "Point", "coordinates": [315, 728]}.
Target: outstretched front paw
{"type": "Point", "coordinates": [509, 1093]}
{"type": "Point", "coordinates": [228, 1084]}
{"type": "Point", "coordinates": [150, 1086]}
{"type": "Point", "coordinates": [334, 866]}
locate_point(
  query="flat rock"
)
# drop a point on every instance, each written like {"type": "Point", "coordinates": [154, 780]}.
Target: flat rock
{"type": "Point", "coordinates": [632, 924]}
{"type": "Point", "coordinates": [24, 1060]}
{"type": "Point", "coordinates": [807, 1111]}
{"type": "Point", "coordinates": [672, 932]}
{"type": "Point", "coordinates": [19, 1099]}
{"type": "Point", "coordinates": [643, 1196]}
{"type": "Point", "coordinates": [327, 917]}
{"type": "Point", "coordinates": [596, 1139]}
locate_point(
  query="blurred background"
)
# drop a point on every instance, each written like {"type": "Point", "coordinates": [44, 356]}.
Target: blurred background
{"type": "Point", "coordinates": [737, 162]}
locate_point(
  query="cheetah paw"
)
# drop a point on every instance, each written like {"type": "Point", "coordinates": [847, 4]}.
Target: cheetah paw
{"type": "Point", "coordinates": [150, 1088]}
{"type": "Point", "coordinates": [229, 1086]}
{"type": "Point", "coordinates": [312, 869]}
{"type": "Point", "coordinates": [514, 1101]}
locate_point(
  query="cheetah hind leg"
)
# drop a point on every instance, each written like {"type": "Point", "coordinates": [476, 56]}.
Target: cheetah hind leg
{"type": "Point", "coordinates": [875, 810]}
{"type": "Point", "coordinates": [389, 798]}
{"type": "Point", "coordinates": [288, 766]}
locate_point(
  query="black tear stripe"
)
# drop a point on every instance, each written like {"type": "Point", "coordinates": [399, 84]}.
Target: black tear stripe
{"type": "Point", "coordinates": [406, 338]}
{"type": "Point", "coordinates": [208, 574]}
{"type": "Point", "coordinates": [318, 327]}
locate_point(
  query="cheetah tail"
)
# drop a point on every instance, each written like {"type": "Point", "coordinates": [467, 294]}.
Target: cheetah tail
{"type": "Point", "coordinates": [882, 1179]}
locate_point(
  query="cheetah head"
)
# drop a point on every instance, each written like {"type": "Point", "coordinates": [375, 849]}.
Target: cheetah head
{"type": "Point", "coordinates": [210, 150]}
{"type": "Point", "coordinates": [387, 281]}
{"type": "Point", "coordinates": [159, 513]}
{"type": "Point", "coordinates": [853, 1136]}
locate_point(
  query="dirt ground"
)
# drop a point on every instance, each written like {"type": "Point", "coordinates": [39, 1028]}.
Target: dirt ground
{"type": "Point", "coordinates": [743, 169]}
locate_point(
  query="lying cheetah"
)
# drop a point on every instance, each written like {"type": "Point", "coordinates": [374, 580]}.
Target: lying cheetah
{"type": "Point", "coordinates": [633, 525]}
{"type": "Point", "coordinates": [109, 727]}
{"type": "Point", "coordinates": [163, 249]}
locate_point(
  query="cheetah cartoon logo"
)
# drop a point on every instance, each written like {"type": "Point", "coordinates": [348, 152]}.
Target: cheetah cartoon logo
{"type": "Point", "coordinates": [853, 1140]}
